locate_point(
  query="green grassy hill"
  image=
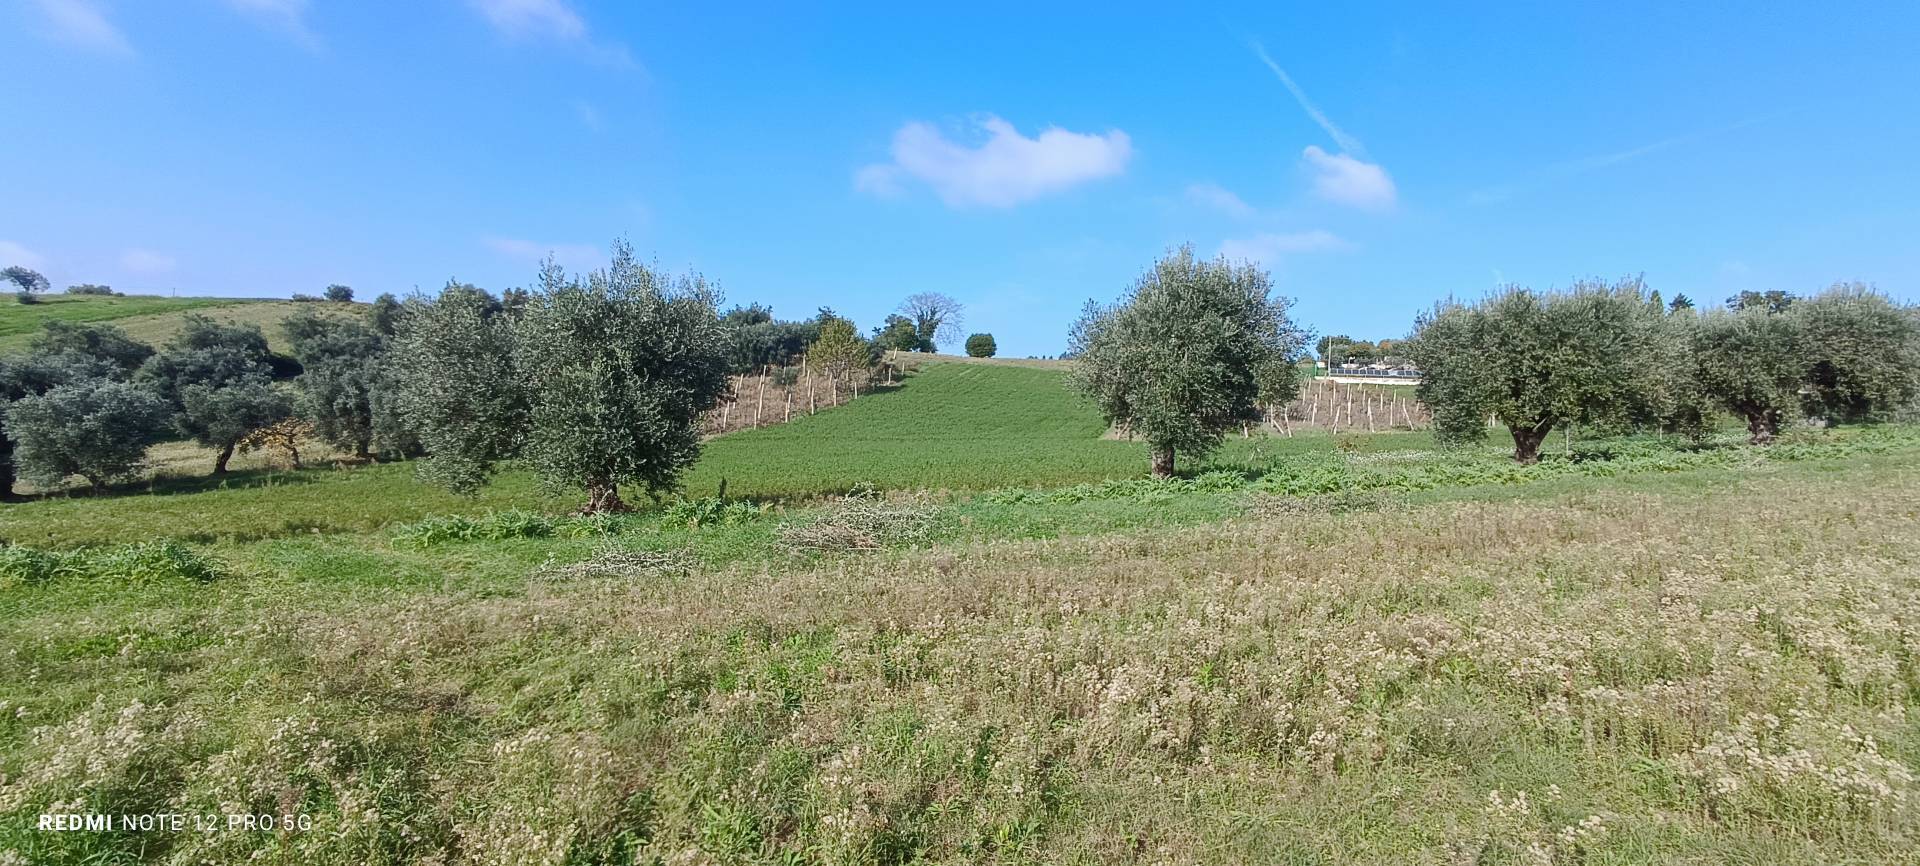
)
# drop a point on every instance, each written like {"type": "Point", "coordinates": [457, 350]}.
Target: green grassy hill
{"type": "Point", "coordinates": [149, 319]}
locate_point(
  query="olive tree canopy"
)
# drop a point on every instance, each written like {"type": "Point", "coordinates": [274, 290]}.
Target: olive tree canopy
{"type": "Point", "coordinates": [1535, 360]}
{"type": "Point", "coordinates": [1192, 350]}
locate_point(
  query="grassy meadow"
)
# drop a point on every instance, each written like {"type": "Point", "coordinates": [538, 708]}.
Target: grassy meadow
{"type": "Point", "coordinates": [1013, 649]}
{"type": "Point", "coordinates": [147, 318]}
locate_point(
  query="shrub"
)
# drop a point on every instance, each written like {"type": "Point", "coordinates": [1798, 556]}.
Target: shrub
{"type": "Point", "coordinates": [981, 346]}
{"type": "Point", "coordinates": [92, 289]}
{"type": "Point", "coordinates": [26, 297]}
{"type": "Point", "coordinates": [695, 513]}
{"type": "Point", "coordinates": [145, 562]}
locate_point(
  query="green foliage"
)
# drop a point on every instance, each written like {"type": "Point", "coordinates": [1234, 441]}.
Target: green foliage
{"type": "Point", "coordinates": [25, 297]}
{"type": "Point", "coordinates": [96, 429]}
{"type": "Point", "coordinates": [338, 293]}
{"type": "Point", "coordinates": [456, 385]}
{"type": "Point", "coordinates": [898, 334]}
{"type": "Point", "coordinates": [982, 346]}
{"type": "Point", "coordinates": [206, 353]}
{"type": "Point", "coordinates": [755, 340]}
{"type": "Point", "coordinates": [1590, 355]}
{"type": "Point", "coordinates": [383, 315]}
{"type": "Point", "coordinates": [341, 361]}
{"type": "Point", "coordinates": [1187, 354]}
{"type": "Point", "coordinates": [1863, 351]}
{"type": "Point", "coordinates": [92, 289]}
{"type": "Point", "coordinates": [711, 511]}
{"type": "Point", "coordinates": [1753, 363]}
{"type": "Point", "coordinates": [219, 416]}
{"type": "Point", "coordinates": [1770, 301]}
{"type": "Point", "coordinates": [103, 342]}
{"type": "Point", "coordinates": [29, 281]}
{"type": "Point", "coordinates": [142, 562]}
{"type": "Point", "coordinates": [618, 369]}
{"type": "Point", "coordinates": [839, 351]}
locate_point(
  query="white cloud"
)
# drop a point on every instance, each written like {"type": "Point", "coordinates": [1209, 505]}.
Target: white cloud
{"type": "Point", "coordinates": [1004, 170]}
{"type": "Point", "coordinates": [15, 253]}
{"type": "Point", "coordinates": [1220, 199]}
{"type": "Point", "coordinates": [527, 19]}
{"type": "Point", "coordinates": [286, 15]}
{"type": "Point", "coordinates": [589, 116]}
{"type": "Point", "coordinates": [573, 256]}
{"type": "Point", "coordinates": [141, 261]}
{"type": "Point", "coordinates": [83, 23]}
{"type": "Point", "coordinates": [1345, 180]}
{"type": "Point", "coordinates": [553, 20]}
{"type": "Point", "coordinates": [1269, 248]}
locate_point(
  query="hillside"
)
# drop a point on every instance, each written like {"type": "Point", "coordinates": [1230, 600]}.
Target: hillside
{"type": "Point", "coordinates": [147, 318]}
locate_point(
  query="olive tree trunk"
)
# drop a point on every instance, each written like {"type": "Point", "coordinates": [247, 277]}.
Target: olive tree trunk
{"type": "Point", "coordinates": [603, 497]}
{"type": "Point", "coordinates": [1761, 426]}
{"type": "Point", "coordinates": [1526, 442]}
{"type": "Point", "coordinates": [220, 462]}
{"type": "Point", "coordinates": [1163, 462]}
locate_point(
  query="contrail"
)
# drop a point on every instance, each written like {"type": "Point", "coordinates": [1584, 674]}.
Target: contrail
{"type": "Point", "coordinates": [1347, 142]}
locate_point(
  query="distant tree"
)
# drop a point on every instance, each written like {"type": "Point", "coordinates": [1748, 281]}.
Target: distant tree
{"type": "Point", "coordinates": [457, 386]}
{"type": "Point", "coordinates": [936, 318]}
{"type": "Point", "coordinates": [982, 346]}
{"type": "Point", "coordinates": [1536, 361]}
{"type": "Point", "coordinates": [337, 292]}
{"type": "Point", "coordinates": [91, 289]}
{"type": "Point", "coordinates": [384, 314]}
{"type": "Point", "coordinates": [218, 379]}
{"type": "Point", "coordinates": [1187, 354]}
{"type": "Point", "coordinates": [898, 334]}
{"type": "Point", "coordinates": [304, 298]}
{"type": "Point", "coordinates": [29, 281]}
{"type": "Point", "coordinates": [839, 351]}
{"type": "Point", "coordinates": [619, 367]}
{"type": "Point", "coordinates": [97, 429]}
{"type": "Point", "coordinates": [1325, 347]}
{"type": "Point", "coordinates": [1772, 301]}
{"type": "Point", "coordinates": [1655, 302]}
{"type": "Point", "coordinates": [513, 302]}
{"type": "Point", "coordinates": [1862, 353]}
{"type": "Point", "coordinates": [1679, 302]}
{"type": "Point", "coordinates": [340, 359]}
{"type": "Point", "coordinates": [755, 340]}
{"type": "Point", "coordinates": [1753, 363]}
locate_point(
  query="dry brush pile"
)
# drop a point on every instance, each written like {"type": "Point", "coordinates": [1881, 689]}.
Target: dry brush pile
{"type": "Point", "coordinates": [1606, 677]}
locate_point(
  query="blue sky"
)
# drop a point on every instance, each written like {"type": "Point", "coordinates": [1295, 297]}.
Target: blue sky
{"type": "Point", "coordinates": [1021, 158]}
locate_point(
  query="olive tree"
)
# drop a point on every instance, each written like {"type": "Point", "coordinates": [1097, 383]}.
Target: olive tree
{"type": "Point", "coordinates": [1862, 353]}
{"type": "Point", "coordinates": [340, 360]}
{"type": "Point", "coordinates": [1753, 363]}
{"type": "Point", "coordinates": [456, 385]}
{"type": "Point", "coordinates": [1190, 352]}
{"type": "Point", "coordinates": [606, 378]}
{"type": "Point", "coordinates": [97, 429]}
{"type": "Point", "coordinates": [1536, 360]}
{"type": "Point", "coordinates": [619, 367]}
{"type": "Point", "coordinates": [218, 380]}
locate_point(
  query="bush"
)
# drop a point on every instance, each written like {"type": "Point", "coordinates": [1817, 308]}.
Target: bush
{"type": "Point", "coordinates": [695, 513]}
{"type": "Point", "coordinates": [92, 289]}
{"type": "Point", "coordinates": [146, 562]}
{"type": "Point", "coordinates": [26, 297]}
{"type": "Point", "coordinates": [981, 346]}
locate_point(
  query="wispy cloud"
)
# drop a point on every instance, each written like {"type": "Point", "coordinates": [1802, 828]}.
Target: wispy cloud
{"type": "Point", "coordinates": [16, 253]}
{"type": "Point", "coordinates": [1005, 169]}
{"type": "Point", "coordinates": [1347, 177]}
{"type": "Point", "coordinates": [589, 116]}
{"type": "Point", "coordinates": [1342, 179]}
{"type": "Point", "coordinates": [549, 20]}
{"type": "Point", "coordinates": [1219, 198]}
{"type": "Point", "coordinates": [1269, 248]}
{"type": "Point", "coordinates": [83, 23]}
{"type": "Point", "coordinates": [574, 256]}
{"type": "Point", "coordinates": [1346, 142]}
{"type": "Point", "coordinates": [146, 262]}
{"type": "Point", "coordinates": [287, 16]}
{"type": "Point", "coordinates": [1496, 193]}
